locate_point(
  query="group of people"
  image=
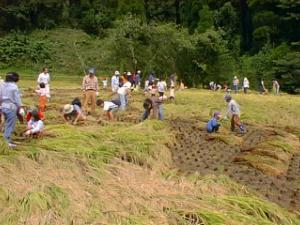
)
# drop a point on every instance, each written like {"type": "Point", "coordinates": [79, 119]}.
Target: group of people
{"type": "Point", "coordinates": [245, 86]}
{"type": "Point", "coordinates": [11, 107]}
{"type": "Point", "coordinates": [121, 86]}
{"type": "Point", "coordinates": [75, 111]}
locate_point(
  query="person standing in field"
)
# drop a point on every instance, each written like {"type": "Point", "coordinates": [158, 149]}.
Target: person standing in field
{"type": "Point", "coordinates": [161, 87]}
{"type": "Point", "coordinates": [90, 89]}
{"type": "Point", "coordinates": [246, 85]}
{"type": "Point", "coordinates": [42, 92]}
{"type": "Point", "coordinates": [262, 88]}
{"type": "Point", "coordinates": [10, 101]}
{"type": "Point", "coordinates": [44, 77]}
{"type": "Point", "coordinates": [123, 92]}
{"type": "Point", "coordinates": [276, 87]}
{"type": "Point", "coordinates": [104, 83]}
{"type": "Point", "coordinates": [236, 83]}
{"type": "Point", "coordinates": [138, 79]}
{"type": "Point", "coordinates": [115, 82]}
{"type": "Point", "coordinates": [234, 111]}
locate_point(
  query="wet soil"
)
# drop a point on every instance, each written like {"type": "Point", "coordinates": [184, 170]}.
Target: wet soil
{"type": "Point", "coordinates": [195, 150]}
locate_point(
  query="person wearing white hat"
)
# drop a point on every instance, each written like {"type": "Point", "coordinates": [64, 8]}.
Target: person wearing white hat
{"type": "Point", "coordinates": [72, 113]}
{"type": "Point", "coordinates": [115, 81]}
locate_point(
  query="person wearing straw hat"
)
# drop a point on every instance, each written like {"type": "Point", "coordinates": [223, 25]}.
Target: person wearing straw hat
{"type": "Point", "coordinates": [90, 89]}
{"type": "Point", "coordinates": [72, 113]}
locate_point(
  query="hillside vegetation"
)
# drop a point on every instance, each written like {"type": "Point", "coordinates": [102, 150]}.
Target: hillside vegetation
{"type": "Point", "coordinates": [201, 41]}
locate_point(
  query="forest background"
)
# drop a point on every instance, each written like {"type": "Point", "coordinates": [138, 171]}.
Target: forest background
{"type": "Point", "coordinates": [199, 40]}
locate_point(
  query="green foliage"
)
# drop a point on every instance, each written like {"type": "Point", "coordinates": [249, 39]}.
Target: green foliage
{"type": "Point", "coordinates": [130, 35]}
{"type": "Point", "coordinates": [17, 48]}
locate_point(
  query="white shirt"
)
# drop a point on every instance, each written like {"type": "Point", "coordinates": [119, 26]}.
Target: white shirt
{"type": "Point", "coordinates": [42, 91]}
{"type": "Point", "coordinates": [44, 78]}
{"type": "Point", "coordinates": [233, 108]}
{"type": "Point", "coordinates": [161, 86]}
{"type": "Point", "coordinates": [246, 83]}
{"type": "Point", "coordinates": [109, 105]}
{"type": "Point", "coordinates": [125, 88]}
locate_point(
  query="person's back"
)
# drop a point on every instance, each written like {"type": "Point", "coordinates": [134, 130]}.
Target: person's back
{"type": "Point", "coordinates": [233, 107]}
{"type": "Point", "coordinates": [10, 95]}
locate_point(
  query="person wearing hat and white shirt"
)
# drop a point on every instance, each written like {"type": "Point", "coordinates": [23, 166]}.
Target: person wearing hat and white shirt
{"type": "Point", "coordinates": [115, 82]}
{"type": "Point", "coordinates": [90, 89]}
{"type": "Point", "coordinates": [72, 113]}
{"type": "Point", "coordinates": [44, 77]}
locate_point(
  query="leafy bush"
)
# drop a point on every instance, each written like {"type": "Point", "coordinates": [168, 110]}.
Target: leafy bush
{"type": "Point", "coordinates": [18, 48]}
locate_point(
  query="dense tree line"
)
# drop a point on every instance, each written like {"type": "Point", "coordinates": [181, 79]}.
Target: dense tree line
{"type": "Point", "coordinates": [209, 39]}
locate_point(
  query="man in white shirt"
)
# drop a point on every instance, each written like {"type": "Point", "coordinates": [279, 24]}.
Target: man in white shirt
{"type": "Point", "coordinates": [44, 77]}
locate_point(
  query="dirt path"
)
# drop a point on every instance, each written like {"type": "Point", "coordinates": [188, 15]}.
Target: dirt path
{"type": "Point", "coordinates": [195, 150]}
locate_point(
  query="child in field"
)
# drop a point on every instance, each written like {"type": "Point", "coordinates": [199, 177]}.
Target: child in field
{"type": "Point", "coordinates": [29, 114]}
{"type": "Point", "coordinates": [104, 82]}
{"type": "Point", "coordinates": [109, 107]}
{"type": "Point", "coordinates": [42, 92]}
{"type": "Point", "coordinates": [213, 125]}
{"type": "Point", "coordinates": [35, 125]}
{"type": "Point", "coordinates": [234, 111]}
{"type": "Point", "coordinates": [72, 113]}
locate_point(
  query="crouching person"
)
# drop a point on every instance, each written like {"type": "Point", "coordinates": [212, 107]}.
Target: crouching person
{"type": "Point", "coordinates": [73, 114]}
{"type": "Point", "coordinates": [153, 106]}
{"type": "Point", "coordinates": [213, 125]}
{"type": "Point", "coordinates": [109, 107]}
{"type": "Point", "coordinates": [35, 125]}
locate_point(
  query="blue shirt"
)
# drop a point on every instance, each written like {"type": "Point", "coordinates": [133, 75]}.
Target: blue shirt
{"type": "Point", "coordinates": [10, 96]}
{"type": "Point", "coordinates": [211, 124]}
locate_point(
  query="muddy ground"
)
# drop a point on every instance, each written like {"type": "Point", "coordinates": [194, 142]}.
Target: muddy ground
{"type": "Point", "coordinates": [195, 150]}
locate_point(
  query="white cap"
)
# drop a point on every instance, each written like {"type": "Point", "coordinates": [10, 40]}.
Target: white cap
{"type": "Point", "coordinates": [117, 73]}
{"type": "Point", "coordinates": [138, 71]}
{"type": "Point", "coordinates": [129, 74]}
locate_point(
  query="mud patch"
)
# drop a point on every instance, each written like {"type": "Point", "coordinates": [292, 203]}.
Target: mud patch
{"type": "Point", "coordinates": [243, 161]}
